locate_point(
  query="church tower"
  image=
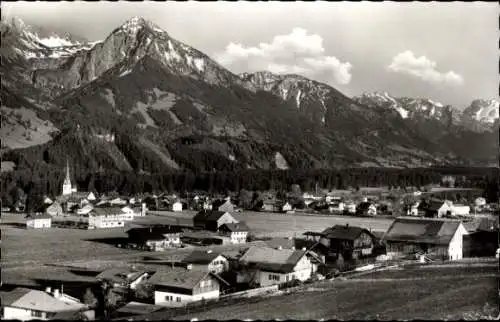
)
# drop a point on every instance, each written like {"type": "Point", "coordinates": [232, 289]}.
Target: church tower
{"type": "Point", "coordinates": [67, 190]}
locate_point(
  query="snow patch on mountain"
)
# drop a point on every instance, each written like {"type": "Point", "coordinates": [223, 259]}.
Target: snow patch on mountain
{"type": "Point", "coordinates": [55, 41]}
{"type": "Point", "coordinates": [485, 111]}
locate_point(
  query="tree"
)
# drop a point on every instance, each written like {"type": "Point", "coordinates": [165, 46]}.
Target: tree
{"type": "Point", "coordinates": [144, 291]}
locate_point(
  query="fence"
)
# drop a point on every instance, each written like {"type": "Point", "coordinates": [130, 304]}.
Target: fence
{"type": "Point", "coordinates": [252, 292]}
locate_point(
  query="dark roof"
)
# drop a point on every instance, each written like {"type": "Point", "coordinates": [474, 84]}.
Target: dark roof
{"type": "Point", "coordinates": [152, 233]}
{"type": "Point", "coordinates": [344, 232]}
{"type": "Point", "coordinates": [201, 257]}
{"type": "Point", "coordinates": [431, 231]}
{"type": "Point", "coordinates": [120, 275]}
{"type": "Point", "coordinates": [98, 211]}
{"type": "Point", "coordinates": [211, 215]}
{"type": "Point", "coordinates": [284, 243]}
{"type": "Point", "coordinates": [241, 226]}
{"type": "Point", "coordinates": [42, 207]}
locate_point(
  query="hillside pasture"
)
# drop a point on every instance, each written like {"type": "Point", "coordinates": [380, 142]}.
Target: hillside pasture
{"type": "Point", "coordinates": [465, 292]}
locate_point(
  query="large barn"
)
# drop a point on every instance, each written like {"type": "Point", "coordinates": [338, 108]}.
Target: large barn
{"type": "Point", "coordinates": [438, 237]}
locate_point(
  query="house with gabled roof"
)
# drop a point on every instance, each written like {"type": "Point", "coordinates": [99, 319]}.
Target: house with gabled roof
{"type": "Point", "coordinates": [442, 238]}
{"type": "Point", "coordinates": [223, 205]}
{"type": "Point", "coordinates": [212, 220]}
{"type": "Point", "coordinates": [178, 286]}
{"type": "Point", "coordinates": [436, 208]}
{"type": "Point", "coordinates": [237, 232]}
{"type": "Point", "coordinates": [207, 260]}
{"type": "Point", "coordinates": [123, 277]}
{"type": "Point", "coordinates": [107, 217]}
{"type": "Point", "coordinates": [34, 221]}
{"type": "Point", "coordinates": [266, 266]}
{"type": "Point", "coordinates": [26, 304]}
{"type": "Point", "coordinates": [155, 238]}
{"type": "Point", "coordinates": [348, 241]}
{"type": "Point", "coordinates": [54, 209]}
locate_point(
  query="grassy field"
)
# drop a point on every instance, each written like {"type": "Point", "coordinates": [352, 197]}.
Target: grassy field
{"type": "Point", "coordinates": [452, 293]}
{"type": "Point", "coordinates": [279, 225]}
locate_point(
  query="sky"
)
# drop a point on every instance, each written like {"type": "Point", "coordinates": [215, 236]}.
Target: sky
{"type": "Point", "coordinates": [447, 52]}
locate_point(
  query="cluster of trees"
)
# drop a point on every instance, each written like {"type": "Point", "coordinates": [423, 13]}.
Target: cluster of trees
{"type": "Point", "coordinates": [48, 181]}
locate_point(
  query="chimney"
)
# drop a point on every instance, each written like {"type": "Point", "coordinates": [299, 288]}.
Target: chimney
{"type": "Point", "coordinates": [189, 267]}
{"type": "Point", "coordinates": [347, 225]}
{"type": "Point", "coordinates": [48, 290]}
{"type": "Point", "coordinates": [56, 293]}
{"type": "Point", "coordinates": [209, 251]}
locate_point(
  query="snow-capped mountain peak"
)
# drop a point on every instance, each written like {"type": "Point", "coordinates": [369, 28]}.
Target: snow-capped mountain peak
{"type": "Point", "coordinates": [485, 111]}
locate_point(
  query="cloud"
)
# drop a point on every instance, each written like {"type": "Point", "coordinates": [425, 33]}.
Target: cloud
{"type": "Point", "coordinates": [423, 68]}
{"type": "Point", "coordinates": [295, 53]}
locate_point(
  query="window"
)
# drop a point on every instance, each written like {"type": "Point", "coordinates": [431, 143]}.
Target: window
{"type": "Point", "coordinates": [37, 314]}
{"type": "Point", "coordinates": [274, 277]}
{"type": "Point", "coordinates": [169, 298]}
{"type": "Point", "coordinates": [178, 299]}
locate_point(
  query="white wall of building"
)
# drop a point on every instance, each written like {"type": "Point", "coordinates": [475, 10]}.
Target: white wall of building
{"type": "Point", "coordinates": [14, 313]}
{"type": "Point", "coordinates": [455, 248]}
{"type": "Point", "coordinates": [239, 237]}
{"type": "Point", "coordinates": [39, 223]}
{"type": "Point", "coordinates": [107, 221]}
{"type": "Point", "coordinates": [170, 299]}
{"type": "Point", "coordinates": [177, 206]}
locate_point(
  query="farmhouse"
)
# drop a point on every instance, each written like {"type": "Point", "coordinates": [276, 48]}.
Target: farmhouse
{"type": "Point", "coordinates": [107, 218]}
{"type": "Point", "coordinates": [125, 278]}
{"type": "Point", "coordinates": [350, 207]}
{"type": "Point", "coordinates": [336, 206]}
{"type": "Point", "coordinates": [176, 286]}
{"type": "Point", "coordinates": [287, 207]}
{"type": "Point", "coordinates": [208, 261]}
{"type": "Point", "coordinates": [348, 241]}
{"type": "Point", "coordinates": [225, 206]}
{"type": "Point", "coordinates": [434, 208]}
{"type": "Point", "coordinates": [155, 238]}
{"type": "Point", "coordinates": [38, 221]}
{"type": "Point", "coordinates": [177, 206]}
{"type": "Point", "coordinates": [27, 304]}
{"type": "Point", "coordinates": [266, 266]}
{"type": "Point", "coordinates": [212, 220]}
{"type": "Point", "coordinates": [460, 210]}
{"type": "Point", "coordinates": [367, 209]}
{"type": "Point", "coordinates": [54, 209]}
{"type": "Point", "coordinates": [237, 232]}
{"type": "Point", "coordinates": [438, 237]}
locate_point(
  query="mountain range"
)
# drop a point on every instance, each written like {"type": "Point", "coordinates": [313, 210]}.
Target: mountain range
{"type": "Point", "coordinates": [142, 101]}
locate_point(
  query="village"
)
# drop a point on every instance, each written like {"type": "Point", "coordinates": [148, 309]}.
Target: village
{"type": "Point", "coordinates": [200, 249]}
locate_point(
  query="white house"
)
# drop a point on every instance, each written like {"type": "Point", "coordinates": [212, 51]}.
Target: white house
{"type": "Point", "coordinates": [287, 207]}
{"type": "Point", "coordinates": [442, 238]}
{"type": "Point", "coordinates": [176, 286]}
{"type": "Point", "coordinates": [155, 238]}
{"type": "Point", "coordinates": [460, 210]}
{"type": "Point", "coordinates": [480, 202]}
{"type": "Point", "coordinates": [266, 266]}
{"type": "Point", "coordinates": [26, 304]}
{"type": "Point", "coordinates": [209, 261]}
{"type": "Point", "coordinates": [413, 209]}
{"type": "Point", "coordinates": [336, 207]}
{"type": "Point", "coordinates": [237, 232]}
{"type": "Point", "coordinates": [350, 207]}
{"type": "Point", "coordinates": [177, 206]}
{"type": "Point", "coordinates": [38, 221]}
{"type": "Point", "coordinates": [107, 218]}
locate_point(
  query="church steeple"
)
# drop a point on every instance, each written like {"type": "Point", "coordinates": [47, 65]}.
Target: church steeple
{"type": "Point", "coordinates": [67, 189]}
